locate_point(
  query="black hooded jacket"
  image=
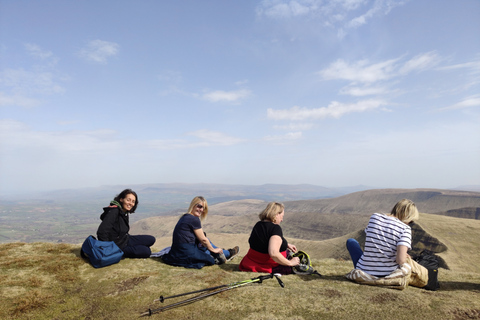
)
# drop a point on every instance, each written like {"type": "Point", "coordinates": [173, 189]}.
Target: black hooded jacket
{"type": "Point", "coordinates": [114, 226]}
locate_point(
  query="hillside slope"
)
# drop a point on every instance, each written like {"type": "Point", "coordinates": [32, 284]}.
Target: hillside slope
{"type": "Point", "coordinates": [382, 200]}
{"type": "Point", "coordinates": [51, 281]}
{"type": "Point", "coordinates": [317, 219]}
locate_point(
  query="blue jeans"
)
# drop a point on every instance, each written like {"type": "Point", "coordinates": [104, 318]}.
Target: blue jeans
{"type": "Point", "coordinates": [225, 252]}
{"type": "Point", "coordinates": [355, 251]}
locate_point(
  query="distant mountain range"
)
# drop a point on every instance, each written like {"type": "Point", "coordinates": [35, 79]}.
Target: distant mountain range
{"type": "Point", "coordinates": [322, 219]}
{"type": "Point", "coordinates": [312, 211]}
{"type": "Point", "coordinates": [214, 192]}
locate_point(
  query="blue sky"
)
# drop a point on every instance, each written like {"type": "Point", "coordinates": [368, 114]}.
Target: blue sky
{"type": "Point", "coordinates": [332, 93]}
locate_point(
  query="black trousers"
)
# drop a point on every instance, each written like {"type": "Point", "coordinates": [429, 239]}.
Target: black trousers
{"type": "Point", "coordinates": [138, 246]}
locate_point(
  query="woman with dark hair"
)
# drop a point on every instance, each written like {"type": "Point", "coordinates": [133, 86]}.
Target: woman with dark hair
{"type": "Point", "coordinates": [268, 247]}
{"type": "Point", "coordinates": [115, 226]}
{"type": "Point", "coordinates": [190, 246]}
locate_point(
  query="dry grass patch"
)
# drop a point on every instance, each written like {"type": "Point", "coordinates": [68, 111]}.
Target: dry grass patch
{"type": "Point", "coordinates": [126, 289]}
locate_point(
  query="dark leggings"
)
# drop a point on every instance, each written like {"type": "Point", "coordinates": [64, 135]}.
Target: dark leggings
{"type": "Point", "coordinates": [138, 246]}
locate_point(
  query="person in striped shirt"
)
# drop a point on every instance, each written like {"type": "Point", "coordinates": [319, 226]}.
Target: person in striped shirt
{"type": "Point", "coordinates": [388, 238]}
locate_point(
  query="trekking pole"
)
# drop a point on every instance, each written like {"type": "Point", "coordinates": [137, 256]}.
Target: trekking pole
{"type": "Point", "coordinates": [213, 291]}
{"type": "Point", "coordinates": [162, 298]}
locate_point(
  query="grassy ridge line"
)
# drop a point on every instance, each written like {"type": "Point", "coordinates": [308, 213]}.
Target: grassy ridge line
{"type": "Point", "coordinates": [50, 281]}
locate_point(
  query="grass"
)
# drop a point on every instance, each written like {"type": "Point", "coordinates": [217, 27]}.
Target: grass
{"type": "Point", "coordinates": [51, 281]}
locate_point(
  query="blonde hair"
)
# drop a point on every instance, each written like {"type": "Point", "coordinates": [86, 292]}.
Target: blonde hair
{"type": "Point", "coordinates": [199, 200]}
{"type": "Point", "coordinates": [271, 211]}
{"type": "Point", "coordinates": [406, 211]}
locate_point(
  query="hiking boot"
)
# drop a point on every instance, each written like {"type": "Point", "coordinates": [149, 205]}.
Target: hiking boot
{"type": "Point", "coordinates": [219, 258]}
{"type": "Point", "coordinates": [233, 252]}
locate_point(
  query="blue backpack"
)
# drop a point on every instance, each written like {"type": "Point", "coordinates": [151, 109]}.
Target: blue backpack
{"type": "Point", "coordinates": [100, 253]}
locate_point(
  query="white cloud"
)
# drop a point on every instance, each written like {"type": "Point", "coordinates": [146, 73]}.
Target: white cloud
{"type": "Point", "coordinates": [469, 102]}
{"type": "Point", "coordinates": [295, 126]}
{"type": "Point", "coordinates": [17, 135]}
{"type": "Point", "coordinates": [340, 14]}
{"type": "Point", "coordinates": [286, 138]}
{"type": "Point", "coordinates": [214, 138]}
{"type": "Point", "coordinates": [17, 100]}
{"type": "Point", "coordinates": [420, 62]}
{"type": "Point", "coordinates": [363, 71]}
{"type": "Point", "coordinates": [23, 81]}
{"type": "Point", "coordinates": [38, 52]}
{"type": "Point", "coordinates": [334, 110]}
{"type": "Point", "coordinates": [228, 96]}
{"type": "Point", "coordinates": [473, 66]}
{"type": "Point", "coordinates": [379, 7]}
{"type": "Point", "coordinates": [286, 9]}
{"type": "Point", "coordinates": [364, 91]}
{"type": "Point", "coordinates": [99, 51]}
{"type": "Point", "coordinates": [360, 71]}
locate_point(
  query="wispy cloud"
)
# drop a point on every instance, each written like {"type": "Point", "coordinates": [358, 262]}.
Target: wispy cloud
{"type": "Point", "coordinates": [24, 138]}
{"type": "Point", "coordinates": [473, 66]}
{"type": "Point", "coordinates": [420, 62]}
{"type": "Point", "coordinates": [99, 51]}
{"type": "Point", "coordinates": [226, 96]}
{"type": "Point", "coordinates": [339, 14]}
{"type": "Point", "coordinates": [334, 110]}
{"type": "Point", "coordinates": [27, 87]}
{"type": "Point", "coordinates": [38, 52]}
{"type": "Point", "coordinates": [214, 138]}
{"type": "Point", "coordinates": [295, 126]}
{"type": "Point", "coordinates": [24, 88]}
{"type": "Point", "coordinates": [21, 81]}
{"type": "Point", "coordinates": [283, 139]}
{"type": "Point", "coordinates": [286, 9]}
{"type": "Point", "coordinates": [17, 100]}
{"type": "Point", "coordinates": [364, 91]}
{"type": "Point", "coordinates": [20, 138]}
{"type": "Point", "coordinates": [469, 102]}
{"type": "Point", "coordinates": [363, 71]}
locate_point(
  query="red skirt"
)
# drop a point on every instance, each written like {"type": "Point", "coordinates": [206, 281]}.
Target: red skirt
{"type": "Point", "coordinates": [256, 261]}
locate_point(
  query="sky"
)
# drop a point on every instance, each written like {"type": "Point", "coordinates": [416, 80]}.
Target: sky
{"type": "Point", "coordinates": [333, 93]}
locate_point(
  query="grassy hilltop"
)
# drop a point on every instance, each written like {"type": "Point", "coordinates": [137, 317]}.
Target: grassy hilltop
{"type": "Point", "coordinates": [51, 281]}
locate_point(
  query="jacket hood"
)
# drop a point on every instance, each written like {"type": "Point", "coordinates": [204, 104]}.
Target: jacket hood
{"type": "Point", "coordinates": [113, 205]}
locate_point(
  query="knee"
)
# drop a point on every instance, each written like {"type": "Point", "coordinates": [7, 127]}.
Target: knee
{"type": "Point", "coordinates": [351, 242]}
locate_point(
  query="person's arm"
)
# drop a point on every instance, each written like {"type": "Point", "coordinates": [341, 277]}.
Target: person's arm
{"type": "Point", "coordinates": [105, 231]}
{"type": "Point", "coordinates": [205, 242]}
{"type": "Point", "coordinates": [401, 254]}
{"type": "Point", "coordinates": [274, 251]}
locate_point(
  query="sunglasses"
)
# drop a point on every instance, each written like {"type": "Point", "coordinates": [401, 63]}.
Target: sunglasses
{"type": "Point", "coordinates": [199, 206]}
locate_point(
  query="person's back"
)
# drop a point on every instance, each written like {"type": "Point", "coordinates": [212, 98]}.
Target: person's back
{"type": "Point", "coordinates": [383, 235]}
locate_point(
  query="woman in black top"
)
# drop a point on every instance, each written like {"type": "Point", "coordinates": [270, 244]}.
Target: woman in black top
{"type": "Point", "coordinates": [115, 226]}
{"type": "Point", "coordinates": [268, 247]}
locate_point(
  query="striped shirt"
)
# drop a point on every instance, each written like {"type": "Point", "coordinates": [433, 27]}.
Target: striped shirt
{"type": "Point", "coordinates": [384, 234]}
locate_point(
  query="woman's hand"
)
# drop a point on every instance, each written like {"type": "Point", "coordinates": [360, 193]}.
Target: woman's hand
{"type": "Point", "coordinates": [216, 250]}
{"type": "Point", "coordinates": [200, 235]}
{"type": "Point", "coordinates": [292, 248]}
{"type": "Point", "coordinates": [295, 261]}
